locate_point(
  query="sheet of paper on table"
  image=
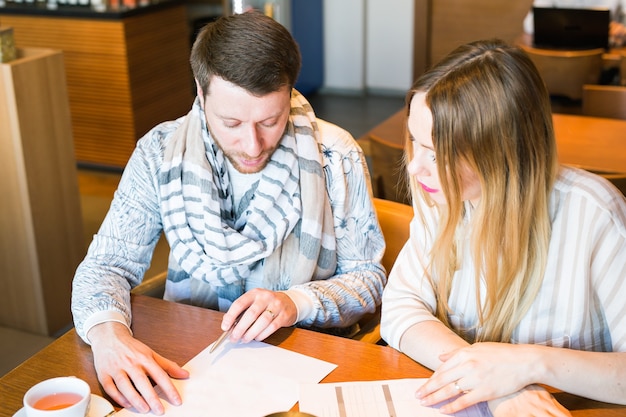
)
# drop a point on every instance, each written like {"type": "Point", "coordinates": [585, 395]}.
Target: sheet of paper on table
{"type": "Point", "coordinates": [389, 398]}
{"type": "Point", "coordinates": [254, 379]}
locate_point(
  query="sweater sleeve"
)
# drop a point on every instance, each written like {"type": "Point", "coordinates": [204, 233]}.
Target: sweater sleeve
{"type": "Point", "coordinates": [356, 288]}
{"type": "Point", "coordinates": [121, 251]}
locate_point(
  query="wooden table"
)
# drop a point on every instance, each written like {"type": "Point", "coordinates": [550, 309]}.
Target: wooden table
{"type": "Point", "coordinates": [594, 143]}
{"type": "Point", "coordinates": [612, 58]}
{"type": "Point", "coordinates": [179, 332]}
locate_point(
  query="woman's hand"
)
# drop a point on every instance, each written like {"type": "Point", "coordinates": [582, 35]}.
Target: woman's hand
{"type": "Point", "coordinates": [480, 372]}
{"type": "Point", "coordinates": [261, 312]}
{"type": "Point", "coordinates": [532, 401]}
{"type": "Point", "coordinates": [127, 368]}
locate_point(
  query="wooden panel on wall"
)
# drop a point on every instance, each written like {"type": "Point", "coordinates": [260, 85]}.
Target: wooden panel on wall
{"type": "Point", "coordinates": [124, 76]}
{"type": "Point", "coordinates": [455, 22]}
{"type": "Point", "coordinates": [41, 239]}
{"type": "Point", "coordinates": [163, 90]}
{"type": "Point", "coordinates": [421, 37]}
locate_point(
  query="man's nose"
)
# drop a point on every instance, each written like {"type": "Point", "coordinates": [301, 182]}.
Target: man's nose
{"type": "Point", "coordinates": [253, 143]}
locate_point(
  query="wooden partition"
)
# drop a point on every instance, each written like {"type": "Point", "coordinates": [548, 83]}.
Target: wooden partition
{"type": "Point", "coordinates": [442, 25]}
{"type": "Point", "coordinates": [124, 74]}
{"type": "Point", "coordinates": [41, 240]}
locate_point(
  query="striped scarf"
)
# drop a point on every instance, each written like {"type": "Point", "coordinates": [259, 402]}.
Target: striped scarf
{"type": "Point", "coordinates": [289, 225]}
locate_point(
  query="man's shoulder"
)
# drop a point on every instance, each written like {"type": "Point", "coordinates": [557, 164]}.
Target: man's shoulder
{"type": "Point", "coordinates": [333, 136]}
{"type": "Point", "coordinates": [157, 137]}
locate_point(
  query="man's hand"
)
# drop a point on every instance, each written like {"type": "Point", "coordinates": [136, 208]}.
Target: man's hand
{"type": "Point", "coordinates": [261, 313]}
{"type": "Point", "coordinates": [126, 368]}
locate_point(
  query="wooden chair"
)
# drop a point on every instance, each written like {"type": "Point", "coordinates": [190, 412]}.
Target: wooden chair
{"type": "Point", "coordinates": [386, 142]}
{"type": "Point", "coordinates": [622, 68]}
{"type": "Point", "coordinates": [565, 72]}
{"type": "Point", "coordinates": [604, 101]}
{"type": "Point", "coordinates": [153, 286]}
{"type": "Point", "coordinates": [394, 219]}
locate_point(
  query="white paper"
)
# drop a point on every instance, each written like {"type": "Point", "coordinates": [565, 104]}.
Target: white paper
{"type": "Point", "coordinates": [388, 398]}
{"type": "Point", "coordinates": [243, 380]}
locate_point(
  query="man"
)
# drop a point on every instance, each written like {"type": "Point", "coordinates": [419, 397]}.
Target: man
{"type": "Point", "coordinates": [267, 211]}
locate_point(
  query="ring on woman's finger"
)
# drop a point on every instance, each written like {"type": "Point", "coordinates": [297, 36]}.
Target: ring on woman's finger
{"type": "Point", "coordinates": [271, 313]}
{"type": "Point", "coordinates": [458, 388]}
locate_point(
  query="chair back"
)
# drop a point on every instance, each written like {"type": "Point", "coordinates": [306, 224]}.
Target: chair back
{"type": "Point", "coordinates": [394, 219]}
{"type": "Point", "coordinates": [565, 72]}
{"type": "Point", "coordinates": [386, 142]}
{"type": "Point", "coordinates": [604, 101]}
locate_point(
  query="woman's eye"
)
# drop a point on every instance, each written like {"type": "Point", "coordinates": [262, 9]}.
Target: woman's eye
{"type": "Point", "coordinates": [432, 157]}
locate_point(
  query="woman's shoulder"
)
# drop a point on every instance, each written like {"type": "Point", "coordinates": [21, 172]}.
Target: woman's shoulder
{"type": "Point", "coordinates": [586, 184]}
{"type": "Point", "coordinates": [580, 187]}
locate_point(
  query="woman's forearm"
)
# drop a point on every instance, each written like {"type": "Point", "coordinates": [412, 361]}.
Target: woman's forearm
{"type": "Point", "coordinates": [425, 341]}
{"type": "Point", "coordinates": [597, 375]}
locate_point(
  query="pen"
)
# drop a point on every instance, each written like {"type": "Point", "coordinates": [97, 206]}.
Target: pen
{"type": "Point", "coordinates": [223, 337]}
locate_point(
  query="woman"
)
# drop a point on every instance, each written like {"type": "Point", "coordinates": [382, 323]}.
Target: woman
{"type": "Point", "coordinates": [515, 271]}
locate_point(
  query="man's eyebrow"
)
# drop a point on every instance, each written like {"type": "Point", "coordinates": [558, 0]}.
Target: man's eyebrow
{"type": "Point", "coordinates": [225, 117]}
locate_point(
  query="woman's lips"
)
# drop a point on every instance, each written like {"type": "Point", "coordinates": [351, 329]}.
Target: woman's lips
{"type": "Point", "coordinates": [428, 189]}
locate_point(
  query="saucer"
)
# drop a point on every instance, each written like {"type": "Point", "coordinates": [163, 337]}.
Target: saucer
{"type": "Point", "coordinates": [98, 407]}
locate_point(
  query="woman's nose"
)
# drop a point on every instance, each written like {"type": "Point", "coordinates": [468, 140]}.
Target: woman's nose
{"type": "Point", "coordinates": [416, 166]}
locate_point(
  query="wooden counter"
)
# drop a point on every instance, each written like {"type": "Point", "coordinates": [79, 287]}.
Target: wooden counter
{"type": "Point", "coordinates": [125, 71]}
{"type": "Point", "coordinates": [41, 234]}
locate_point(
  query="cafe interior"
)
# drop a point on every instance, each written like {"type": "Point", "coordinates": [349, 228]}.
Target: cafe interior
{"type": "Point", "coordinates": [89, 77]}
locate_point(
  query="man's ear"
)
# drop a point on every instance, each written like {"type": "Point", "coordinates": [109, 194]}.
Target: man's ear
{"type": "Point", "coordinates": [199, 92]}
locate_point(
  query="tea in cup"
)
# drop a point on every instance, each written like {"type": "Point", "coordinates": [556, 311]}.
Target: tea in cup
{"type": "Point", "coordinates": [58, 397]}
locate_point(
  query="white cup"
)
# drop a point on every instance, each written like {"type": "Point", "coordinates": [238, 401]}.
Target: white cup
{"type": "Point", "coordinates": [65, 396]}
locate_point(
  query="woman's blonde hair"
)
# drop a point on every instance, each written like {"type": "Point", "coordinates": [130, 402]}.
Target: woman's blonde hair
{"type": "Point", "coordinates": [491, 112]}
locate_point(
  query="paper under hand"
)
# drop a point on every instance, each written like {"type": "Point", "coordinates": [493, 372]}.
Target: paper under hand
{"type": "Point", "coordinates": [243, 380]}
